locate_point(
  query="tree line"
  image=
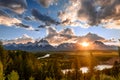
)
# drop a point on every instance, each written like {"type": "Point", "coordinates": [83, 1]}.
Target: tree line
{"type": "Point", "coordinates": [22, 65]}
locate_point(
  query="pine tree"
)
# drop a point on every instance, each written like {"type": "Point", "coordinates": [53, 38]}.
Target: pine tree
{"type": "Point", "coordinates": [31, 78]}
{"type": "Point", "coordinates": [49, 78]}
{"type": "Point", "coordinates": [1, 72]}
{"type": "Point", "coordinates": [13, 76]}
{"type": "Point", "coordinates": [119, 51]}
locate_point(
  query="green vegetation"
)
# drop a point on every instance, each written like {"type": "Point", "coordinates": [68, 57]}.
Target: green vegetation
{"type": "Point", "coordinates": [21, 65]}
{"type": "Point", "coordinates": [13, 76]}
{"type": "Point", "coordinates": [1, 72]}
{"type": "Point", "coordinates": [31, 78]}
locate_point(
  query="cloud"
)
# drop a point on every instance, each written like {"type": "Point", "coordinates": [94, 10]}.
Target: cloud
{"type": "Point", "coordinates": [17, 6]}
{"type": "Point", "coordinates": [87, 10]}
{"type": "Point", "coordinates": [55, 38]}
{"type": "Point", "coordinates": [5, 19]}
{"type": "Point", "coordinates": [70, 14]}
{"type": "Point", "coordinates": [113, 24]}
{"type": "Point", "coordinates": [27, 27]}
{"type": "Point", "coordinates": [111, 41]}
{"type": "Point", "coordinates": [90, 12]}
{"type": "Point", "coordinates": [47, 3]}
{"type": "Point", "coordinates": [67, 36]}
{"type": "Point", "coordinates": [9, 21]}
{"type": "Point", "coordinates": [51, 31]}
{"type": "Point", "coordinates": [42, 26]}
{"type": "Point", "coordinates": [24, 39]}
{"type": "Point", "coordinates": [44, 18]}
{"type": "Point", "coordinates": [67, 31]}
{"type": "Point", "coordinates": [30, 18]}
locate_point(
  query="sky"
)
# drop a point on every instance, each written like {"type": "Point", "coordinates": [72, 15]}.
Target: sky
{"type": "Point", "coordinates": [50, 19]}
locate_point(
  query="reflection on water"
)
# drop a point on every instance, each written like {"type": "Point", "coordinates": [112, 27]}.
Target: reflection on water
{"type": "Point", "coordinates": [47, 55]}
{"type": "Point", "coordinates": [67, 70]}
{"type": "Point", "coordinates": [101, 67]}
{"type": "Point", "coordinates": [85, 69]}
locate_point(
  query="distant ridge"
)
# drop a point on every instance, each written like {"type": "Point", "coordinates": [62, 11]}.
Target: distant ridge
{"type": "Point", "coordinates": [43, 45]}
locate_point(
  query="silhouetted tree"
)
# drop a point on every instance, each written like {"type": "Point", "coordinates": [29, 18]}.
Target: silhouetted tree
{"type": "Point", "coordinates": [76, 74]}
{"type": "Point", "coordinates": [92, 63]}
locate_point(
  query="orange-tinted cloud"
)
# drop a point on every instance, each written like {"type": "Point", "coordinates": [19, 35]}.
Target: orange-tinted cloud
{"type": "Point", "coordinates": [67, 36]}
{"type": "Point", "coordinates": [21, 40]}
{"type": "Point", "coordinates": [91, 12]}
{"type": "Point", "coordinates": [5, 19]}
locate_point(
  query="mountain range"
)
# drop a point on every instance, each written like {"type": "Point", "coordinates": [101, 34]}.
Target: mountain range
{"type": "Point", "coordinates": [43, 45]}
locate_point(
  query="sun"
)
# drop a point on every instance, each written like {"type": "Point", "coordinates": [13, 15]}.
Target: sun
{"type": "Point", "coordinates": [85, 44]}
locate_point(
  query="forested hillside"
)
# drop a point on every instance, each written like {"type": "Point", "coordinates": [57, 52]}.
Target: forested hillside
{"type": "Point", "coordinates": [21, 65]}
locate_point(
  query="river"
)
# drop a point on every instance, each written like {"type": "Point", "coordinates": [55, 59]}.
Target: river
{"type": "Point", "coordinates": [85, 69]}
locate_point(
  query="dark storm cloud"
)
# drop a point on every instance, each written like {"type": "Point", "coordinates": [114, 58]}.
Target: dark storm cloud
{"type": "Point", "coordinates": [88, 9]}
{"type": "Point", "coordinates": [97, 10]}
{"type": "Point", "coordinates": [92, 12]}
{"type": "Point", "coordinates": [24, 26]}
{"type": "Point", "coordinates": [44, 18]}
{"type": "Point", "coordinates": [112, 10]}
{"type": "Point", "coordinates": [42, 26]}
{"type": "Point", "coordinates": [17, 6]}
